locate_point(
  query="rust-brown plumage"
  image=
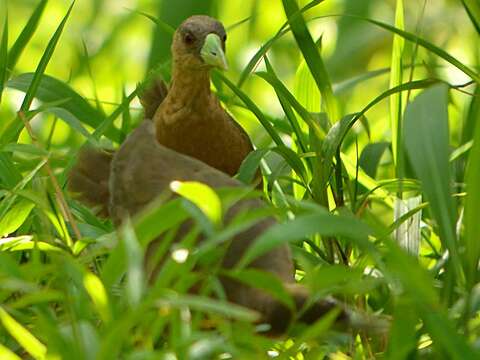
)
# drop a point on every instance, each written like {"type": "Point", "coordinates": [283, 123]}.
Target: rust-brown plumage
{"type": "Point", "coordinates": [192, 138]}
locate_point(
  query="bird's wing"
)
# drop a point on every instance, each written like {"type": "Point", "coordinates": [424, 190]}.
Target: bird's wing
{"type": "Point", "coordinates": [88, 179]}
{"type": "Point", "coordinates": [152, 96]}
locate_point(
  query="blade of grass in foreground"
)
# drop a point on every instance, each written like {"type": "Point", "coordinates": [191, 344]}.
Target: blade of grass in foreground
{"type": "Point", "coordinates": [312, 56]}
{"type": "Point", "coordinates": [427, 144]}
{"type": "Point", "coordinates": [472, 7]}
{"type": "Point", "coordinates": [42, 65]}
{"type": "Point", "coordinates": [25, 35]}
{"type": "Point", "coordinates": [29, 342]}
{"type": "Point", "coordinates": [3, 57]}
{"type": "Point", "coordinates": [396, 73]}
{"type": "Point", "coordinates": [472, 202]}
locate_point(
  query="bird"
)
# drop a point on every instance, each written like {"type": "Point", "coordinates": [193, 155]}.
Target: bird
{"type": "Point", "coordinates": [188, 116]}
{"type": "Point", "coordinates": [188, 136]}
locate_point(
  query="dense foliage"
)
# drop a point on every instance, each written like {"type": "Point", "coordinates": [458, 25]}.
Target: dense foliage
{"type": "Point", "coordinates": [364, 114]}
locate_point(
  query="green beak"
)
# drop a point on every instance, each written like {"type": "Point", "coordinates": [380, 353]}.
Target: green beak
{"type": "Point", "coordinates": [212, 52]}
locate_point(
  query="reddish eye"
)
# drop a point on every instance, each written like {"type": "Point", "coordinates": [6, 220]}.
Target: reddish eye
{"type": "Point", "coordinates": [189, 38]}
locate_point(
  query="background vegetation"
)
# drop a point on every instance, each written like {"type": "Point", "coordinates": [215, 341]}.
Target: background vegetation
{"type": "Point", "coordinates": [364, 114]}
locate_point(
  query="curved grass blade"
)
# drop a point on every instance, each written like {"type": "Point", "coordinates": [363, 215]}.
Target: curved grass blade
{"type": "Point", "coordinates": [24, 337]}
{"type": "Point", "coordinates": [472, 206]}
{"type": "Point", "coordinates": [427, 145]}
{"type": "Point", "coordinates": [3, 57]}
{"type": "Point", "coordinates": [52, 90]}
{"type": "Point", "coordinates": [312, 56]}
{"type": "Point", "coordinates": [472, 7]}
{"type": "Point", "coordinates": [396, 76]}
{"type": "Point", "coordinates": [430, 47]}
{"type": "Point", "coordinates": [42, 65]}
{"type": "Point", "coordinates": [265, 47]}
{"type": "Point", "coordinates": [253, 108]}
{"type": "Point", "coordinates": [25, 35]}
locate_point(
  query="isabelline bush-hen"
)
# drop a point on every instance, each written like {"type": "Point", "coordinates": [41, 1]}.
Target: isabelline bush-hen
{"type": "Point", "coordinates": [191, 138]}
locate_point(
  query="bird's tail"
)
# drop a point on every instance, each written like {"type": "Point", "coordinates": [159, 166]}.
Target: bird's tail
{"type": "Point", "coordinates": [89, 178]}
{"type": "Point", "coordinates": [308, 312]}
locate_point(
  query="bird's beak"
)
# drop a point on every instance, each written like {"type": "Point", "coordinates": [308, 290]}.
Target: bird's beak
{"type": "Point", "coordinates": [212, 52]}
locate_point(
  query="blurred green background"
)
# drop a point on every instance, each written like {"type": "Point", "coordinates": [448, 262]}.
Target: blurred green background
{"type": "Point", "coordinates": [123, 45]}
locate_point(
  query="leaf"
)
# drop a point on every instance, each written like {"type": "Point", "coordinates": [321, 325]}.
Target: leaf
{"type": "Point", "coordinates": [426, 140]}
{"type": "Point", "coordinates": [265, 281]}
{"type": "Point", "coordinates": [250, 164]}
{"type": "Point", "coordinates": [403, 339]}
{"type": "Point", "coordinates": [371, 156]}
{"type": "Point", "coordinates": [134, 256]}
{"type": "Point", "coordinates": [25, 35]}
{"type": "Point", "coordinates": [472, 7]}
{"type": "Point", "coordinates": [23, 336]}
{"type": "Point", "coordinates": [15, 217]}
{"type": "Point", "coordinates": [429, 46]}
{"type": "Point", "coordinates": [24, 148]}
{"type": "Point", "coordinates": [97, 293]}
{"type": "Point", "coordinates": [52, 90]}
{"type": "Point", "coordinates": [321, 222]}
{"type": "Point", "coordinates": [209, 305]}
{"type": "Point", "coordinates": [42, 65]}
{"type": "Point", "coordinates": [253, 108]}
{"type": "Point", "coordinates": [3, 57]}
{"type": "Point", "coordinates": [396, 77]}
{"type": "Point", "coordinates": [203, 196]}
{"type": "Point", "coordinates": [472, 206]}
{"type": "Point", "coordinates": [312, 56]}
{"type": "Point", "coordinates": [6, 354]}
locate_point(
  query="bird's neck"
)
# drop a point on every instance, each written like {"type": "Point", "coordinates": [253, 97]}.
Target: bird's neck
{"type": "Point", "coordinates": [189, 87]}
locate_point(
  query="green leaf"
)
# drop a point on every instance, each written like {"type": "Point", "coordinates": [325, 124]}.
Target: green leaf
{"type": "Point", "coordinates": [265, 281]}
{"type": "Point", "coordinates": [321, 222]}
{"type": "Point", "coordinates": [403, 340]}
{"type": "Point", "coordinates": [29, 342]}
{"type": "Point", "coordinates": [396, 77]}
{"type": "Point", "coordinates": [6, 354]}
{"type": "Point", "coordinates": [472, 206]}
{"type": "Point", "coordinates": [134, 256]}
{"type": "Point", "coordinates": [15, 217]}
{"type": "Point", "coordinates": [472, 7]}
{"type": "Point", "coordinates": [430, 47]}
{"type": "Point", "coordinates": [3, 57]}
{"type": "Point", "coordinates": [25, 35]}
{"type": "Point", "coordinates": [427, 145]}
{"type": "Point", "coordinates": [312, 56]}
{"type": "Point", "coordinates": [254, 109]}
{"type": "Point", "coordinates": [203, 196]}
{"type": "Point", "coordinates": [52, 90]}
{"type": "Point", "coordinates": [371, 156]}
{"type": "Point", "coordinates": [209, 305]}
{"type": "Point", "coordinates": [97, 293]}
{"type": "Point", "coordinates": [42, 65]}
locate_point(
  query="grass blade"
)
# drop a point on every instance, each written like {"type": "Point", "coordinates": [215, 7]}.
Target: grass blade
{"type": "Point", "coordinates": [47, 55]}
{"type": "Point", "coordinates": [472, 203]}
{"type": "Point", "coordinates": [312, 56]}
{"type": "Point", "coordinates": [472, 7]}
{"type": "Point", "coordinates": [396, 73]}
{"type": "Point", "coordinates": [25, 35]}
{"type": "Point", "coordinates": [3, 57]}
{"type": "Point", "coordinates": [254, 109]}
{"type": "Point", "coordinates": [23, 336]}
{"type": "Point", "coordinates": [52, 90]}
{"type": "Point", "coordinates": [426, 140]}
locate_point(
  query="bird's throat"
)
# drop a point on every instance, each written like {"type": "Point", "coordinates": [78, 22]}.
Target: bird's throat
{"type": "Point", "coordinates": [190, 87]}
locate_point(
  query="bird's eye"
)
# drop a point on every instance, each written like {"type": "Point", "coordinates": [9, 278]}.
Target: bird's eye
{"type": "Point", "coordinates": [189, 38]}
{"type": "Point", "coordinates": [224, 38]}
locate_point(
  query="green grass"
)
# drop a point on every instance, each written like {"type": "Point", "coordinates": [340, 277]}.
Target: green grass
{"type": "Point", "coordinates": [336, 152]}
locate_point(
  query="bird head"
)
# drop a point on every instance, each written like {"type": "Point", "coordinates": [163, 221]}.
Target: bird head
{"type": "Point", "coordinates": [199, 44]}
